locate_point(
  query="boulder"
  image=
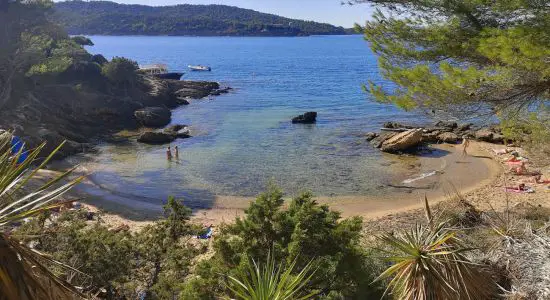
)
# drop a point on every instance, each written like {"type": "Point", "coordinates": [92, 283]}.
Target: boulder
{"type": "Point", "coordinates": [498, 138]}
{"type": "Point", "coordinates": [484, 135]}
{"type": "Point", "coordinates": [156, 138]}
{"type": "Point", "coordinates": [431, 136]}
{"type": "Point", "coordinates": [402, 141]}
{"type": "Point", "coordinates": [307, 118]}
{"type": "Point", "coordinates": [178, 130]}
{"type": "Point", "coordinates": [371, 136]}
{"type": "Point", "coordinates": [448, 137]}
{"type": "Point", "coordinates": [153, 116]}
{"type": "Point", "coordinates": [396, 125]}
{"type": "Point", "coordinates": [464, 127]}
{"type": "Point", "coordinates": [446, 124]}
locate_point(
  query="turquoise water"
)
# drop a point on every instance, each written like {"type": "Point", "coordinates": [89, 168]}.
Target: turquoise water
{"type": "Point", "coordinates": [244, 139]}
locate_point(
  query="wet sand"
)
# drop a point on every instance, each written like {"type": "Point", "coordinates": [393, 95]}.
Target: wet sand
{"type": "Point", "coordinates": [446, 168]}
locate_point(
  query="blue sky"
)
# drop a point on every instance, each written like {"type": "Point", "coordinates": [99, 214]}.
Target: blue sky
{"type": "Point", "coordinates": [327, 11]}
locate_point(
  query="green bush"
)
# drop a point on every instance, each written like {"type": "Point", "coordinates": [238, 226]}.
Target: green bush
{"type": "Point", "coordinates": [82, 40]}
{"type": "Point", "coordinates": [305, 232]}
{"type": "Point", "coordinates": [121, 70]}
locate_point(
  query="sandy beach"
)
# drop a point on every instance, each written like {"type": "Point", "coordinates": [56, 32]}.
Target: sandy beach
{"type": "Point", "coordinates": [437, 176]}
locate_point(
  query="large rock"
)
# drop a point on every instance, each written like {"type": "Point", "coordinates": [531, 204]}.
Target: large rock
{"type": "Point", "coordinates": [307, 118]}
{"type": "Point", "coordinates": [156, 138]}
{"type": "Point", "coordinates": [448, 137]}
{"type": "Point", "coordinates": [484, 135]}
{"type": "Point", "coordinates": [431, 136]}
{"type": "Point", "coordinates": [153, 116]}
{"type": "Point", "coordinates": [178, 130]}
{"type": "Point", "coordinates": [403, 141]}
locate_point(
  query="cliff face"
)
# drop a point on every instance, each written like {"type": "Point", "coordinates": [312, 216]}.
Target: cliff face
{"type": "Point", "coordinates": [84, 110]}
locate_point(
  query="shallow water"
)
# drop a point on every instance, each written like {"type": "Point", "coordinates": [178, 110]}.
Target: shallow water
{"type": "Point", "coordinates": [245, 139]}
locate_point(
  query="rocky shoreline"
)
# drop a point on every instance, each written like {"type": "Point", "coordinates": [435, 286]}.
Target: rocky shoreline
{"type": "Point", "coordinates": [396, 138]}
{"type": "Point", "coordinates": [84, 114]}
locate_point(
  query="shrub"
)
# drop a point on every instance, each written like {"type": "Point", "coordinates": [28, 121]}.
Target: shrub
{"type": "Point", "coordinates": [429, 262]}
{"type": "Point", "coordinates": [82, 40]}
{"type": "Point", "coordinates": [121, 70]}
{"type": "Point", "coordinates": [306, 231]}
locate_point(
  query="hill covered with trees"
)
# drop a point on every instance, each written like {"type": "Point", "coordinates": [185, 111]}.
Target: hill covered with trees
{"type": "Point", "coordinates": [109, 18]}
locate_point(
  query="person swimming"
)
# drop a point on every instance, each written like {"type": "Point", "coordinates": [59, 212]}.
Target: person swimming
{"type": "Point", "coordinates": [169, 153]}
{"type": "Point", "coordinates": [177, 153]}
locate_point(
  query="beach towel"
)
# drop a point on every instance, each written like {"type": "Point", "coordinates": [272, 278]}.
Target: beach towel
{"type": "Point", "coordinates": [517, 190]}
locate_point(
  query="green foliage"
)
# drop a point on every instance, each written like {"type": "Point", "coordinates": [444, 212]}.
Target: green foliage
{"type": "Point", "coordinates": [269, 282]}
{"type": "Point", "coordinates": [305, 232]}
{"type": "Point", "coordinates": [103, 257]}
{"type": "Point", "coordinates": [22, 272]}
{"type": "Point", "coordinates": [429, 262]}
{"type": "Point", "coordinates": [82, 40]}
{"type": "Point", "coordinates": [109, 18]}
{"type": "Point", "coordinates": [471, 57]}
{"type": "Point", "coordinates": [121, 70]}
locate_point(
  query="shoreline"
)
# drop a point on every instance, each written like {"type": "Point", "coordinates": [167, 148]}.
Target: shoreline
{"type": "Point", "coordinates": [476, 171]}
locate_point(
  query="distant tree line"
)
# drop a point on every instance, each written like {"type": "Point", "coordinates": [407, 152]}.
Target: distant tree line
{"type": "Point", "coordinates": [109, 18]}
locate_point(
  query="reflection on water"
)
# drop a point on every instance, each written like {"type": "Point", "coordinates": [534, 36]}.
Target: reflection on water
{"type": "Point", "coordinates": [245, 139]}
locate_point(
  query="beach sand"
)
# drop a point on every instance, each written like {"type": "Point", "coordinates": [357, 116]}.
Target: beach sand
{"type": "Point", "coordinates": [447, 170]}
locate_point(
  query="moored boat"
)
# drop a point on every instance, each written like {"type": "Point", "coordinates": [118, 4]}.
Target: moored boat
{"type": "Point", "coordinates": [199, 68]}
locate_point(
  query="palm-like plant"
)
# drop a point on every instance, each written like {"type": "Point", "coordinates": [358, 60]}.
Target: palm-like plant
{"type": "Point", "coordinates": [22, 273]}
{"type": "Point", "coordinates": [268, 282]}
{"type": "Point", "coordinates": [428, 262]}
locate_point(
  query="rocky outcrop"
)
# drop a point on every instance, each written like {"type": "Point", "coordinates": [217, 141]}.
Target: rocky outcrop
{"type": "Point", "coordinates": [84, 108]}
{"type": "Point", "coordinates": [307, 118]}
{"type": "Point", "coordinates": [153, 116]}
{"type": "Point", "coordinates": [402, 141]}
{"type": "Point", "coordinates": [156, 138]}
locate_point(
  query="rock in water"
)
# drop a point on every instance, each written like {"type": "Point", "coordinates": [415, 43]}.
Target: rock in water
{"type": "Point", "coordinates": [178, 130]}
{"type": "Point", "coordinates": [371, 136]}
{"type": "Point", "coordinates": [446, 124]}
{"type": "Point", "coordinates": [402, 141]}
{"type": "Point", "coordinates": [448, 137]}
{"type": "Point", "coordinates": [307, 118]}
{"type": "Point", "coordinates": [156, 138]}
{"type": "Point", "coordinates": [153, 116]}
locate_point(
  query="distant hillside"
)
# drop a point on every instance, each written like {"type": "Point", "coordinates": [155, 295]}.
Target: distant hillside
{"type": "Point", "coordinates": [109, 18]}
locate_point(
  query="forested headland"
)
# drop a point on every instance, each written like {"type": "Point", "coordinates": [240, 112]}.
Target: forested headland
{"type": "Point", "coordinates": [109, 18]}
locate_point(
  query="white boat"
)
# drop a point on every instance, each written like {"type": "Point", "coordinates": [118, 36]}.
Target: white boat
{"type": "Point", "coordinates": [199, 68]}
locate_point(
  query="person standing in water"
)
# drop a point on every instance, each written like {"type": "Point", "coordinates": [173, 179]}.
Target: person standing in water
{"type": "Point", "coordinates": [177, 153]}
{"type": "Point", "coordinates": [465, 145]}
{"type": "Point", "coordinates": [168, 153]}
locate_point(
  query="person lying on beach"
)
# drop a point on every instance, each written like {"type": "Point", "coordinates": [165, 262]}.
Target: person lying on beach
{"type": "Point", "coordinates": [520, 189]}
{"type": "Point", "coordinates": [539, 180]}
{"type": "Point", "coordinates": [522, 170]}
{"type": "Point", "coordinates": [502, 151]}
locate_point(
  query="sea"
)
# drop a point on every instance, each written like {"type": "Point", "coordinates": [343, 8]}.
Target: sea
{"type": "Point", "coordinates": [244, 140]}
